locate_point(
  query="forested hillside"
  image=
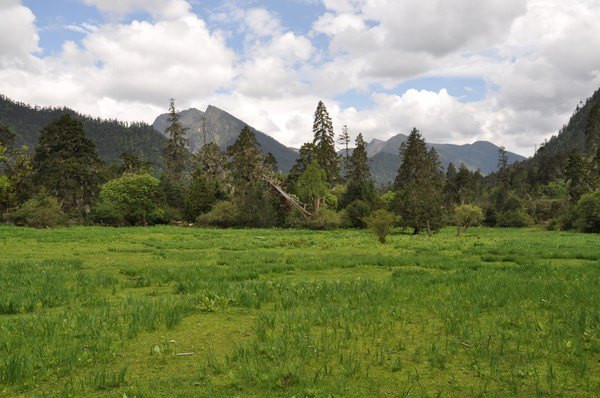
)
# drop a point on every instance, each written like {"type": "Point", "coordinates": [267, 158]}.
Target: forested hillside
{"type": "Point", "coordinates": [111, 137]}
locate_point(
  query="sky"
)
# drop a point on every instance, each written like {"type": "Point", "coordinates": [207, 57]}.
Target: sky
{"type": "Point", "coordinates": [507, 71]}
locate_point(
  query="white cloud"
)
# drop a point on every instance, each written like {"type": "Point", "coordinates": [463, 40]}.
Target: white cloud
{"type": "Point", "coordinates": [18, 34]}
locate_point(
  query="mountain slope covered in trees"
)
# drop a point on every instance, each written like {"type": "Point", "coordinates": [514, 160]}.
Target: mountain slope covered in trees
{"type": "Point", "coordinates": [110, 137]}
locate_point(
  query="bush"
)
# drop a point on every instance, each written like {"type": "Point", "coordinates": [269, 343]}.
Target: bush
{"type": "Point", "coordinates": [41, 211]}
{"type": "Point", "coordinates": [133, 197]}
{"type": "Point", "coordinates": [381, 222]}
{"type": "Point", "coordinates": [324, 219]}
{"type": "Point", "coordinates": [514, 218]}
{"type": "Point", "coordinates": [223, 214]}
{"type": "Point", "coordinates": [588, 212]}
{"type": "Point", "coordinates": [356, 212]}
{"type": "Point", "coordinates": [466, 216]}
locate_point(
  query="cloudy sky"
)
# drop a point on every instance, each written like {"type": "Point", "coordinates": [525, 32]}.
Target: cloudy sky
{"type": "Point", "coordinates": [508, 71]}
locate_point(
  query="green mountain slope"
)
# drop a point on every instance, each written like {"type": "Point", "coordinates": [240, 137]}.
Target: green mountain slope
{"type": "Point", "coordinates": [110, 136]}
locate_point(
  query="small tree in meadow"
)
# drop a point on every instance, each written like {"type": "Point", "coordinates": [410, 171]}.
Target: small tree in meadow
{"type": "Point", "coordinates": [381, 222]}
{"type": "Point", "coordinates": [466, 216]}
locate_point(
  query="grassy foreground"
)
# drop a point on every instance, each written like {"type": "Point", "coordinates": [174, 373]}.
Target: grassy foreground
{"type": "Point", "coordinates": [105, 312]}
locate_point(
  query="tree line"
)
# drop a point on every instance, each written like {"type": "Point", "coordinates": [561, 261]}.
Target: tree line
{"type": "Point", "coordinates": [64, 182]}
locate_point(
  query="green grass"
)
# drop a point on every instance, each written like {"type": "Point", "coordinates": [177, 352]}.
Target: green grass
{"type": "Point", "coordinates": [105, 312]}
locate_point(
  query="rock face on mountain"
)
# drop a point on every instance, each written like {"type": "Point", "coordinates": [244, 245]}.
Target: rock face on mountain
{"type": "Point", "coordinates": [216, 125]}
{"type": "Point", "coordinates": [481, 155]}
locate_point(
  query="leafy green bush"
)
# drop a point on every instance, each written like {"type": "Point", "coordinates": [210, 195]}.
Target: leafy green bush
{"type": "Point", "coordinates": [588, 212]}
{"type": "Point", "coordinates": [466, 216]}
{"type": "Point", "coordinates": [356, 212]}
{"type": "Point", "coordinates": [324, 219]}
{"type": "Point", "coordinates": [381, 222]}
{"type": "Point", "coordinates": [41, 211]}
{"type": "Point", "coordinates": [223, 214]}
{"type": "Point", "coordinates": [514, 218]}
{"type": "Point", "coordinates": [134, 198]}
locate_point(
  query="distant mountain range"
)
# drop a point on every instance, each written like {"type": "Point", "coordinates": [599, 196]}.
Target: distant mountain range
{"type": "Point", "coordinates": [216, 125]}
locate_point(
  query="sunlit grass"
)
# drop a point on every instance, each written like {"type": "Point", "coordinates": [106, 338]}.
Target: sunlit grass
{"type": "Point", "coordinates": [105, 312]}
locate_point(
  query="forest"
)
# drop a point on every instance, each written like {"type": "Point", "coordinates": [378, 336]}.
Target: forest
{"type": "Point", "coordinates": [63, 181]}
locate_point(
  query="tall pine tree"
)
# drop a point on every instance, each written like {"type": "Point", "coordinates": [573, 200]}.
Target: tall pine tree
{"type": "Point", "coordinates": [176, 148]}
{"type": "Point", "coordinates": [419, 185]}
{"type": "Point", "coordinates": [344, 142]}
{"type": "Point", "coordinates": [360, 184]}
{"type": "Point", "coordinates": [324, 142]}
{"type": "Point", "coordinates": [66, 164]}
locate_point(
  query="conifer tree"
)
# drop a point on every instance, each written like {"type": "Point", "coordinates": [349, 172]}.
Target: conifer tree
{"type": "Point", "coordinates": [324, 142]}
{"type": "Point", "coordinates": [419, 185]}
{"type": "Point", "coordinates": [305, 157]}
{"type": "Point", "coordinates": [66, 164]}
{"type": "Point", "coordinates": [249, 194]}
{"type": "Point", "coordinates": [344, 142]}
{"type": "Point", "coordinates": [176, 148]}
{"type": "Point", "coordinates": [360, 183]}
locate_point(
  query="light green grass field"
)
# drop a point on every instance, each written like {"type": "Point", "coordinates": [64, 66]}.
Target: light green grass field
{"type": "Point", "coordinates": [104, 312]}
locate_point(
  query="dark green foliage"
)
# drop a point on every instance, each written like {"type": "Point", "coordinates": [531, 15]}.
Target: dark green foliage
{"type": "Point", "coordinates": [514, 218]}
{"type": "Point", "coordinates": [110, 137]}
{"type": "Point", "coordinates": [592, 131]}
{"type": "Point", "coordinates": [7, 137]}
{"type": "Point", "coordinates": [200, 195]}
{"type": "Point", "coordinates": [324, 219]}
{"type": "Point", "coordinates": [255, 205]}
{"type": "Point", "coordinates": [134, 198]}
{"type": "Point", "coordinates": [419, 186]}
{"type": "Point", "coordinates": [305, 157]}
{"type": "Point", "coordinates": [41, 211]}
{"type": "Point", "coordinates": [577, 176]}
{"type": "Point", "coordinates": [588, 212]}
{"type": "Point", "coordinates": [324, 144]}
{"type": "Point", "coordinates": [360, 185]}
{"type": "Point", "coordinates": [381, 222]}
{"type": "Point", "coordinates": [172, 191]}
{"type": "Point", "coordinates": [66, 164]}
{"type": "Point", "coordinates": [270, 163]}
{"type": "Point", "coordinates": [356, 212]}
{"type": "Point", "coordinates": [133, 164]}
{"type": "Point", "coordinates": [177, 147]}
{"type": "Point", "coordinates": [223, 214]}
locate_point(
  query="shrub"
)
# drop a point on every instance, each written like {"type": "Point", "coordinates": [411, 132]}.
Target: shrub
{"type": "Point", "coordinates": [41, 211]}
{"type": "Point", "coordinates": [223, 214]}
{"type": "Point", "coordinates": [324, 219]}
{"type": "Point", "coordinates": [588, 212]}
{"type": "Point", "coordinates": [133, 197]}
{"type": "Point", "coordinates": [514, 218]}
{"type": "Point", "coordinates": [466, 216]}
{"type": "Point", "coordinates": [356, 212]}
{"type": "Point", "coordinates": [381, 222]}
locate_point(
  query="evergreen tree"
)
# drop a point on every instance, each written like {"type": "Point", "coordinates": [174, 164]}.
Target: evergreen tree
{"type": "Point", "coordinates": [465, 185]}
{"type": "Point", "coordinates": [66, 164]}
{"type": "Point", "coordinates": [324, 142]}
{"type": "Point", "coordinates": [270, 163]}
{"type": "Point", "coordinates": [249, 194]}
{"type": "Point", "coordinates": [450, 189]}
{"type": "Point", "coordinates": [176, 148]}
{"type": "Point", "coordinates": [7, 137]}
{"type": "Point", "coordinates": [132, 164]}
{"type": "Point", "coordinates": [360, 184]}
{"type": "Point", "coordinates": [592, 131]}
{"type": "Point", "coordinates": [305, 157]}
{"type": "Point", "coordinates": [576, 174]}
{"type": "Point", "coordinates": [344, 142]}
{"type": "Point", "coordinates": [213, 164]}
{"type": "Point", "coordinates": [419, 185]}
{"type": "Point", "coordinates": [200, 195]}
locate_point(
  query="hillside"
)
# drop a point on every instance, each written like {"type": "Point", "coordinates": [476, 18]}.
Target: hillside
{"type": "Point", "coordinates": [223, 129]}
{"type": "Point", "coordinates": [111, 137]}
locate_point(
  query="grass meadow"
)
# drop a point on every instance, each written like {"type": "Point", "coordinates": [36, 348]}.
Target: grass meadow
{"type": "Point", "coordinates": [177, 312]}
